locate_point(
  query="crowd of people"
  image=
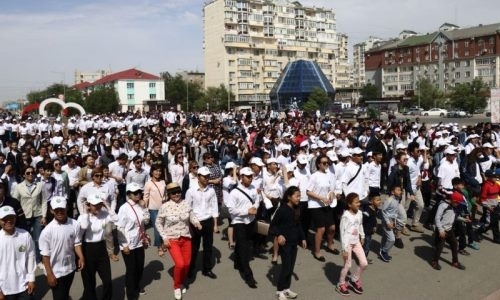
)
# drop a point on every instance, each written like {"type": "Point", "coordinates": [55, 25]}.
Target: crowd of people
{"type": "Point", "coordinates": [75, 194]}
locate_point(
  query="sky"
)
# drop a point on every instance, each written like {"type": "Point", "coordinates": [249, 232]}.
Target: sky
{"type": "Point", "coordinates": [44, 41]}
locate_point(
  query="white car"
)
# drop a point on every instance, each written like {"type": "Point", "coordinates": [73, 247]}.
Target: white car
{"type": "Point", "coordinates": [435, 112]}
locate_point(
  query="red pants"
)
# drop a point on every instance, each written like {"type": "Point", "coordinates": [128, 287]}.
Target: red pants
{"type": "Point", "coordinates": [180, 250]}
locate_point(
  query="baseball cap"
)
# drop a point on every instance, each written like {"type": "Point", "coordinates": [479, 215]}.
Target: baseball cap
{"type": "Point", "coordinates": [256, 161]}
{"type": "Point", "coordinates": [304, 144]}
{"type": "Point", "coordinates": [6, 211]}
{"type": "Point", "coordinates": [400, 146]}
{"type": "Point", "coordinates": [58, 202]}
{"type": "Point", "coordinates": [357, 150]}
{"type": "Point", "coordinates": [133, 187]}
{"type": "Point", "coordinates": [302, 159]}
{"type": "Point", "coordinates": [450, 151]}
{"type": "Point", "coordinates": [204, 171]}
{"type": "Point", "coordinates": [94, 199]}
{"type": "Point", "coordinates": [457, 197]}
{"type": "Point", "coordinates": [246, 171]}
{"type": "Point", "coordinates": [271, 160]}
{"type": "Point", "coordinates": [230, 165]}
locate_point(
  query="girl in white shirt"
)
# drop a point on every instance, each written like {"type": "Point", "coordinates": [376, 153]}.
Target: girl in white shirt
{"type": "Point", "coordinates": [352, 237]}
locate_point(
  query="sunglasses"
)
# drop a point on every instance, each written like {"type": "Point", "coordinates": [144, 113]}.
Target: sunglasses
{"type": "Point", "coordinates": [248, 176]}
{"type": "Point", "coordinates": [138, 162]}
{"type": "Point", "coordinates": [324, 162]}
{"type": "Point", "coordinates": [195, 167]}
{"type": "Point", "coordinates": [28, 173]}
{"type": "Point", "coordinates": [98, 175]}
{"type": "Point", "coordinates": [136, 193]}
{"type": "Point", "coordinates": [174, 193]}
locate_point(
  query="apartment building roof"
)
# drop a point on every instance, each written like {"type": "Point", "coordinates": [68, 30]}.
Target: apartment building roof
{"type": "Point", "coordinates": [130, 74]}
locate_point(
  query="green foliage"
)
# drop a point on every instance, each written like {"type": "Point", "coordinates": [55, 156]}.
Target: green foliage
{"type": "Point", "coordinates": [320, 98]}
{"type": "Point", "coordinates": [310, 106]}
{"type": "Point", "coordinates": [373, 113]}
{"type": "Point", "coordinates": [53, 91]}
{"type": "Point", "coordinates": [430, 95]}
{"type": "Point", "coordinates": [369, 92]}
{"type": "Point", "coordinates": [102, 101]}
{"type": "Point", "coordinates": [179, 91]}
{"type": "Point", "coordinates": [470, 96]}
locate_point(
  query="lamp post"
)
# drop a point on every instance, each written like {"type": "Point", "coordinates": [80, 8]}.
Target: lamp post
{"type": "Point", "coordinates": [187, 96]}
{"type": "Point", "coordinates": [228, 98]}
{"type": "Point", "coordinates": [63, 81]}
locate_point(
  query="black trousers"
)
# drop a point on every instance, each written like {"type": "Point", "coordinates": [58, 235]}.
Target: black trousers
{"type": "Point", "coordinates": [426, 191]}
{"type": "Point", "coordinates": [96, 260]}
{"type": "Point", "coordinates": [243, 237]}
{"type": "Point", "coordinates": [207, 234]}
{"type": "Point", "coordinates": [305, 217]}
{"type": "Point", "coordinates": [288, 254]}
{"type": "Point", "coordinates": [461, 234]}
{"type": "Point", "coordinates": [71, 203]}
{"type": "Point", "coordinates": [134, 267]}
{"type": "Point", "coordinates": [21, 296]}
{"type": "Point", "coordinates": [61, 290]}
{"type": "Point", "coordinates": [451, 240]}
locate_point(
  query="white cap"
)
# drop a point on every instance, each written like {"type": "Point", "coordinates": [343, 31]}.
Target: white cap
{"type": "Point", "coordinates": [289, 168]}
{"type": "Point", "coordinates": [322, 132]}
{"type": "Point", "coordinates": [271, 160]}
{"type": "Point", "coordinates": [345, 153]}
{"type": "Point", "coordinates": [133, 187]}
{"type": "Point", "coordinates": [94, 199]}
{"type": "Point", "coordinates": [246, 171]}
{"type": "Point", "coordinates": [369, 154]}
{"type": "Point", "coordinates": [287, 134]}
{"type": "Point", "coordinates": [286, 147]}
{"type": "Point", "coordinates": [382, 132]}
{"type": "Point", "coordinates": [337, 131]}
{"type": "Point", "coordinates": [332, 156]}
{"type": "Point", "coordinates": [377, 129]}
{"type": "Point", "coordinates": [257, 161]}
{"type": "Point", "coordinates": [321, 144]}
{"type": "Point", "coordinates": [314, 146]}
{"type": "Point", "coordinates": [449, 150]}
{"type": "Point", "coordinates": [6, 211]}
{"type": "Point", "coordinates": [230, 165]}
{"type": "Point", "coordinates": [423, 147]}
{"type": "Point", "coordinates": [400, 146]}
{"type": "Point", "coordinates": [58, 202]}
{"type": "Point", "coordinates": [438, 133]}
{"type": "Point", "coordinates": [302, 159]}
{"type": "Point", "coordinates": [488, 145]}
{"type": "Point", "coordinates": [472, 136]}
{"type": "Point", "coordinates": [266, 140]}
{"type": "Point", "coordinates": [304, 144]}
{"type": "Point", "coordinates": [204, 171]}
{"type": "Point", "coordinates": [357, 150]}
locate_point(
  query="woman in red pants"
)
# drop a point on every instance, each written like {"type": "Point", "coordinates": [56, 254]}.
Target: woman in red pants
{"type": "Point", "coordinates": [173, 225]}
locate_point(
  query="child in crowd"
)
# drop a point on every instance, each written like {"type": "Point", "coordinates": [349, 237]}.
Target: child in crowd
{"type": "Point", "coordinates": [352, 237]}
{"type": "Point", "coordinates": [393, 225]}
{"type": "Point", "coordinates": [446, 216]}
{"type": "Point", "coordinates": [490, 192]}
{"type": "Point", "coordinates": [370, 211]}
{"type": "Point", "coordinates": [288, 230]}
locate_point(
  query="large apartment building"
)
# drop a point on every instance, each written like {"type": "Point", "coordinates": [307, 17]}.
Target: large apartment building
{"type": "Point", "coordinates": [248, 43]}
{"type": "Point", "coordinates": [446, 57]}
{"type": "Point", "coordinates": [358, 60]}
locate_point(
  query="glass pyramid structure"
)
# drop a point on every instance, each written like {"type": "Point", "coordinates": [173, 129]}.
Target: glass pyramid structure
{"type": "Point", "coordinates": [296, 82]}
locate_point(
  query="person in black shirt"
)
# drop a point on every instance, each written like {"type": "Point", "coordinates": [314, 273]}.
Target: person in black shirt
{"type": "Point", "coordinates": [6, 200]}
{"type": "Point", "coordinates": [370, 211]}
{"type": "Point", "coordinates": [286, 226]}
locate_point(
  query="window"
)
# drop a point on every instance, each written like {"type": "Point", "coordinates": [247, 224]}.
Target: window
{"type": "Point", "coordinates": [457, 75]}
{"type": "Point", "coordinates": [130, 85]}
{"type": "Point", "coordinates": [130, 108]}
{"type": "Point", "coordinates": [457, 64]}
{"type": "Point", "coordinates": [467, 74]}
{"type": "Point", "coordinates": [130, 96]}
{"type": "Point", "coordinates": [466, 44]}
{"type": "Point", "coordinates": [467, 63]}
{"type": "Point", "coordinates": [152, 96]}
{"type": "Point", "coordinates": [152, 85]}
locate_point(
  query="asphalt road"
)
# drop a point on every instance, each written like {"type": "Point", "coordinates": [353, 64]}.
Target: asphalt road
{"type": "Point", "coordinates": [435, 119]}
{"type": "Point", "coordinates": [408, 276]}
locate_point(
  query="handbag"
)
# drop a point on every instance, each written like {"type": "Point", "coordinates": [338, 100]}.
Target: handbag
{"type": "Point", "coordinates": [145, 238]}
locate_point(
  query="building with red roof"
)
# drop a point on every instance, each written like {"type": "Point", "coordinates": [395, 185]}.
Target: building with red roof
{"type": "Point", "coordinates": [137, 90]}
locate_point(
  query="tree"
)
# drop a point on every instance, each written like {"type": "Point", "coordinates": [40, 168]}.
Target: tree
{"type": "Point", "coordinates": [102, 101]}
{"type": "Point", "coordinates": [310, 106]}
{"type": "Point", "coordinates": [470, 96]}
{"type": "Point", "coordinates": [369, 92]}
{"type": "Point", "coordinates": [53, 91]}
{"type": "Point", "coordinates": [215, 98]}
{"type": "Point", "coordinates": [179, 91]}
{"type": "Point", "coordinates": [320, 97]}
{"type": "Point", "coordinates": [430, 96]}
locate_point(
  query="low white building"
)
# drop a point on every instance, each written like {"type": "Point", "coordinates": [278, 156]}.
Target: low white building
{"type": "Point", "coordinates": [137, 90]}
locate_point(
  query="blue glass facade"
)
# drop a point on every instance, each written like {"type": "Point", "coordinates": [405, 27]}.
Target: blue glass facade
{"type": "Point", "coordinates": [296, 82]}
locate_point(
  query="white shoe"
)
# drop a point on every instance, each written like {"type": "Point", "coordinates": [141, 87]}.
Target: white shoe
{"type": "Point", "coordinates": [177, 294]}
{"type": "Point", "coordinates": [289, 294]}
{"type": "Point", "coordinates": [281, 296]}
{"type": "Point", "coordinates": [183, 290]}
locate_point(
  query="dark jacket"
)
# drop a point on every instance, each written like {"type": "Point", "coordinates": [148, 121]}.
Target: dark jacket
{"type": "Point", "coordinates": [400, 177]}
{"type": "Point", "coordinates": [16, 205]}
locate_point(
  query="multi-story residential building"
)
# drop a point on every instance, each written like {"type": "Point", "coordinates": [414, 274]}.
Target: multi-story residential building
{"type": "Point", "coordinates": [137, 90]}
{"type": "Point", "coordinates": [83, 76]}
{"type": "Point", "coordinates": [247, 44]}
{"type": "Point", "coordinates": [193, 77]}
{"type": "Point", "coordinates": [358, 60]}
{"type": "Point", "coordinates": [446, 57]}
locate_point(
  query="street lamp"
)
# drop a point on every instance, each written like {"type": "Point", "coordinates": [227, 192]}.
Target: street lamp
{"type": "Point", "coordinates": [187, 96]}
{"type": "Point", "coordinates": [63, 81]}
{"type": "Point", "coordinates": [229, 98]}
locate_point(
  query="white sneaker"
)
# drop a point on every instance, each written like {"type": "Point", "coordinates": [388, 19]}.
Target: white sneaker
{"type": "Point", "coordinates": [289, 294]}
{"type": "Point", "coordinates": [183, 290]}
{"type": "Point", "coordinates": [177, 294]}
{"type": "Point", "coordinates": [281, 296]}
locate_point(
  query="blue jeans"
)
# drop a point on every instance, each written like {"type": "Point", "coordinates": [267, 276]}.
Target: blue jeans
{"type": "Point", "coordinates": [366, 246]}
{"type": "Point", "coordinates": [35, 228]}
{"type": "Point", "coordinates": [152, 220]}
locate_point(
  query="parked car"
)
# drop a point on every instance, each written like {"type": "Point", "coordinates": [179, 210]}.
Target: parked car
{"type": "Point", "coordinates": [414, 111]}
{"type": "Point", "coordinates": [435, 112]}
{"type": "Point", "coordinates": [458, 114]}
{"type": "Point", "coordinates": [350, 113]}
